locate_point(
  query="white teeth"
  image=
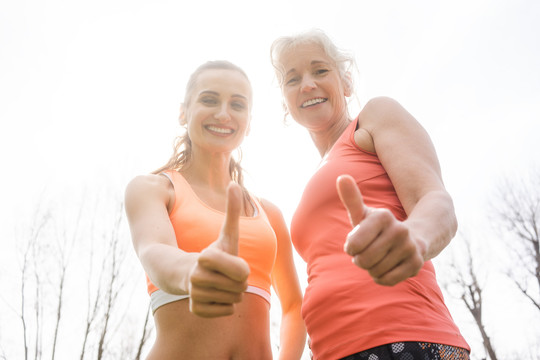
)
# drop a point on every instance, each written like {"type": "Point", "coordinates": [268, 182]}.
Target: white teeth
{"type": "Point", "coordinates": [220, 130]}
{"type": "Point", "coordinates": [313, 102]}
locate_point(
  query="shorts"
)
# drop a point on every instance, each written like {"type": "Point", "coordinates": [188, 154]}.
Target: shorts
{"type": "Point", "coordinates": [411, 351]}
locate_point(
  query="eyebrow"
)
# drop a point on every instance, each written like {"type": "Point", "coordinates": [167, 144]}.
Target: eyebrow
{"type": "Point", "coordinates": [314, 62]}
{"type": "Point", "coordinates": [210, 92]}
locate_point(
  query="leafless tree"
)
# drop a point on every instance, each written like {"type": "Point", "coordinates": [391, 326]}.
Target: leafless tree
{"type": "Point", "coordinates": [65, 239]}
{"type": "Point", "coordinates": [92, 311]}
{"type": "Point", "coordinates": [37, 253]}
{"type": "Point", "coordinates": [93, 296]}
{"type": "Point", "coordinates": [517, 215]}
{"type": "Point", "coordinates": [465, 285]}
{"type": "Point", "coordinates": [98, 236]}
{"type": "Point", "coordinates": [29, 262]}
{"type": "Point", "coordinates": [114, 285]}
{"type": "Point", "coordinates": [109, 276]}
{"type": "Point", "coordinates": [145, 335]}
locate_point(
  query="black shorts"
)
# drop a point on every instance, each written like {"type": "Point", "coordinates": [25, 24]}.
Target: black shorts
{"type": "Point", "coordinates": [411, 351]}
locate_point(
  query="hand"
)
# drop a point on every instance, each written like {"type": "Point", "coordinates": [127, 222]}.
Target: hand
{"type": "Point", "coordinates": [219, 278]}
{"type": "Point", "coordinates": [379, 243]}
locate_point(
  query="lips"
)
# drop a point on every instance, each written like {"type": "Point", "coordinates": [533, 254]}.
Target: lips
{"type": "Point", "coordinates": [312, 102]}
{"type": "Point", "coordinates": [219, 129]}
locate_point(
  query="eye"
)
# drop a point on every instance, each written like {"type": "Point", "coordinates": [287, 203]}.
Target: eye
{"type": "Point", "coordinates": [321, 71]}
{"type": "Point", "coordinates": [238, 105]}
{"type": "Point", "coordinates": [208, 100]}
{"type": "Point", "coordinates": [292, 80]}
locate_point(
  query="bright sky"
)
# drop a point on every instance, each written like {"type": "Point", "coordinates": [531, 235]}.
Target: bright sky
{"type": "Point", "coordinates": [90, 90]}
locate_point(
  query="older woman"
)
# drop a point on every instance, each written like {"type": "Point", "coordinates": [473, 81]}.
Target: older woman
{"type": "Point", "coordinates": [372, 291]}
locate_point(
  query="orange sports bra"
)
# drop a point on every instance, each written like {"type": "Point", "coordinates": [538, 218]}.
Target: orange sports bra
{"type": "Point", "coordinates": [197, 225]}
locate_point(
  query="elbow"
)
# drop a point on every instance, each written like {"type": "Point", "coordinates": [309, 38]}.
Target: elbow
{"type": "Point", "coordinates": [455, 225]}
{"type": "Point", "coordinates": [293, 308]}
{"type": "Point", "coordinates": [453, 222]}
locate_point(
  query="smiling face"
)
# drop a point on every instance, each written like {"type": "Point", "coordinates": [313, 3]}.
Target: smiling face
{"type": "Point", "coordinates": [312, 87]}
{"type": "Point", "coordinates": [218, 112]}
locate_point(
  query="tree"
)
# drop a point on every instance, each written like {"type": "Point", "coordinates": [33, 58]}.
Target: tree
{"type": "Point", "coordinates": [517, 213]}
{"type": "Point", "coordinates": [50, 284]}
{"type": "Point", "coordinates": [29, 269]}
{"type": "Point", "coordinates": [64, 242]}
{"type": "Point", "coordinates": [145, 335]}
{"type": "Point", "coordinates": [464, 285]}
{"type": "Point", "coordinates": [114, 282]}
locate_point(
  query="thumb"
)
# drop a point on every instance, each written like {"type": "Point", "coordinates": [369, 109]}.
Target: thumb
{"type": "Point", "coordinates": [231, 229]}
{"type": "Point", "coordinates": [352, 198]}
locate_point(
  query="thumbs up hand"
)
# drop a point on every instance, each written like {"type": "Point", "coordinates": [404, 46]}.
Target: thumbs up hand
{"type": "Point", "coordinates": [219, 277]}
{"type": "Point", "coordinates": [378, 243]}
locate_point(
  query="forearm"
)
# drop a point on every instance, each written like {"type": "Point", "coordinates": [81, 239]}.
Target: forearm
{"type": "Point", "coordinates": [168, 268]}
{"type": "Point", "coordinates": [292, 335]}
{"type": "Point", "coordinates": [433, 223]}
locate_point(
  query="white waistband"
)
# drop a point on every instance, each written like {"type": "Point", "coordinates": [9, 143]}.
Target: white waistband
{"type": "Point", "coordinates": [159, 297]}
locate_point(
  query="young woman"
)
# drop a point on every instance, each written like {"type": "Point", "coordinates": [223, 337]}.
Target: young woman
{"type": "Point", "coordinates": [372, 291]}
{"type": "Point", "coordinates": [210, 249]}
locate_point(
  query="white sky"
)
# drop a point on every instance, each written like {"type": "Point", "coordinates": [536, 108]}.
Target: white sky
{"type": "Point", "coordinates": [89, 91]}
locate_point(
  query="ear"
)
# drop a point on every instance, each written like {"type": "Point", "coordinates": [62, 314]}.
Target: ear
{"type": "Point", "coordinates": [347, 84]}
{"type": "Point", "coordinates": [182, 117]}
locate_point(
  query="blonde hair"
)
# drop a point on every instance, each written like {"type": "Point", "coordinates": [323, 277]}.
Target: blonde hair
{"type": "Point", "coordinates": [181, 156]}
{"type": "Point", "coordinates": [343, 60]}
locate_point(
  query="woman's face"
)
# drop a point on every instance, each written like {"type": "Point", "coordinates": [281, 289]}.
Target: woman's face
{"type": "Point", "coordinates": [218, 114]}
{"type": "Point", "coordinates": [312, 88]}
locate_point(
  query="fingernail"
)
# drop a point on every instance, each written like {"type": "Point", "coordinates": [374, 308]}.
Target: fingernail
{"type": "Point", "coordinates": [355, 229]}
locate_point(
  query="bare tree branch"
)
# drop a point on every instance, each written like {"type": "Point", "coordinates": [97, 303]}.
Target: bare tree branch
{"type": "Point", "coordinates": [38, 304]}
{"type": "Point", "coordinates": [117, 255]}
{"type": "Point", "coordinates": [40, 221]}
{"type": "Point", "coordinates": [46, 251]}
{"type": "Point", "coordinates": [469, 290]}
{"type": "Point", "coordinates": [64, 245]}
{"type": "Point", "coordinates": [93, 305]}
{"type": "Point", "coordinates": [517, 211]}
{"type": "Point", "coordinates": [145, 334]}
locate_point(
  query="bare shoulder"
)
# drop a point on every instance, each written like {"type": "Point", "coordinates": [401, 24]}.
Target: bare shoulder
{"type": "Point", "coordinates": [381, 102]}
{"type": "Point", "coordinates": [275, 216]}
{"type": "Point", "coordinates": [277, 221]}
{"type": "Point", "coordinates": [271, 210]}
{"type": "Point", "coordinates": [381, 111]}
{"type": "Point", "coordinates": [149, 182]}
{"type": "Point", "coordinates": [148, 187]}
{"type": "Point", "coordinates": [384, 117]}
{"type": "Point", "coordinates": [378, 113]}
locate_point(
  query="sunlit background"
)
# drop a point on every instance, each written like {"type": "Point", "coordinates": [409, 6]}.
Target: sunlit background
{"type": "Point", "coordinates": [90, 92]}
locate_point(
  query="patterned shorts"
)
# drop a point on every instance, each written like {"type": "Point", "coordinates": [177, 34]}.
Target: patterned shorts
{"type": "Point", "coordinates": [411, 351]}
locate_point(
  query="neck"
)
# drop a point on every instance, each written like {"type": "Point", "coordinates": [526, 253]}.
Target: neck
{"type": "Point", "coordinates": [209, 171]}
{"type": "Point", "coordinates": [324, 140]}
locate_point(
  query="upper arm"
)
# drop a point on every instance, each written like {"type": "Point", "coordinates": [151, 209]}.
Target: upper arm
{"type": "Point", "coordinates": [284, 276]}
{"type": "Point", "coordinates": [147, 198]}
{"type": "Point", "coordinates": [404, 149]}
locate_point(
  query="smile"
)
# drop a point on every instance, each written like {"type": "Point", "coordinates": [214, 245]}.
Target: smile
{"type": "Point", "coordinates": [312, 102]}
{"type": "Point", "coordinates": [220, 130]}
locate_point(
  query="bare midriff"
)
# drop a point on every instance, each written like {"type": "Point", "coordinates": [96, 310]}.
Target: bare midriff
{"type": "Point", "coordinates": [245, 335]}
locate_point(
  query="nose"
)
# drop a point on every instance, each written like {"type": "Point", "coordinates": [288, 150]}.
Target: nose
{"type": "Point", "coordinates": [223, 114]}
{"type": "Point", "coordinates": [307, 84]}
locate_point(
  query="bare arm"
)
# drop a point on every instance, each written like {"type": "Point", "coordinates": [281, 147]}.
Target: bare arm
{"type": "Point", "coordinates": [391, 250]}
{"type": "Point", "coordinates": [409, 157]}
{"type": "Point", "coordinates": [215, 278]}
{"type": "Point", "coordinates": [168, 267]}
{"type": "Point", "coordinates": [286, 284]}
